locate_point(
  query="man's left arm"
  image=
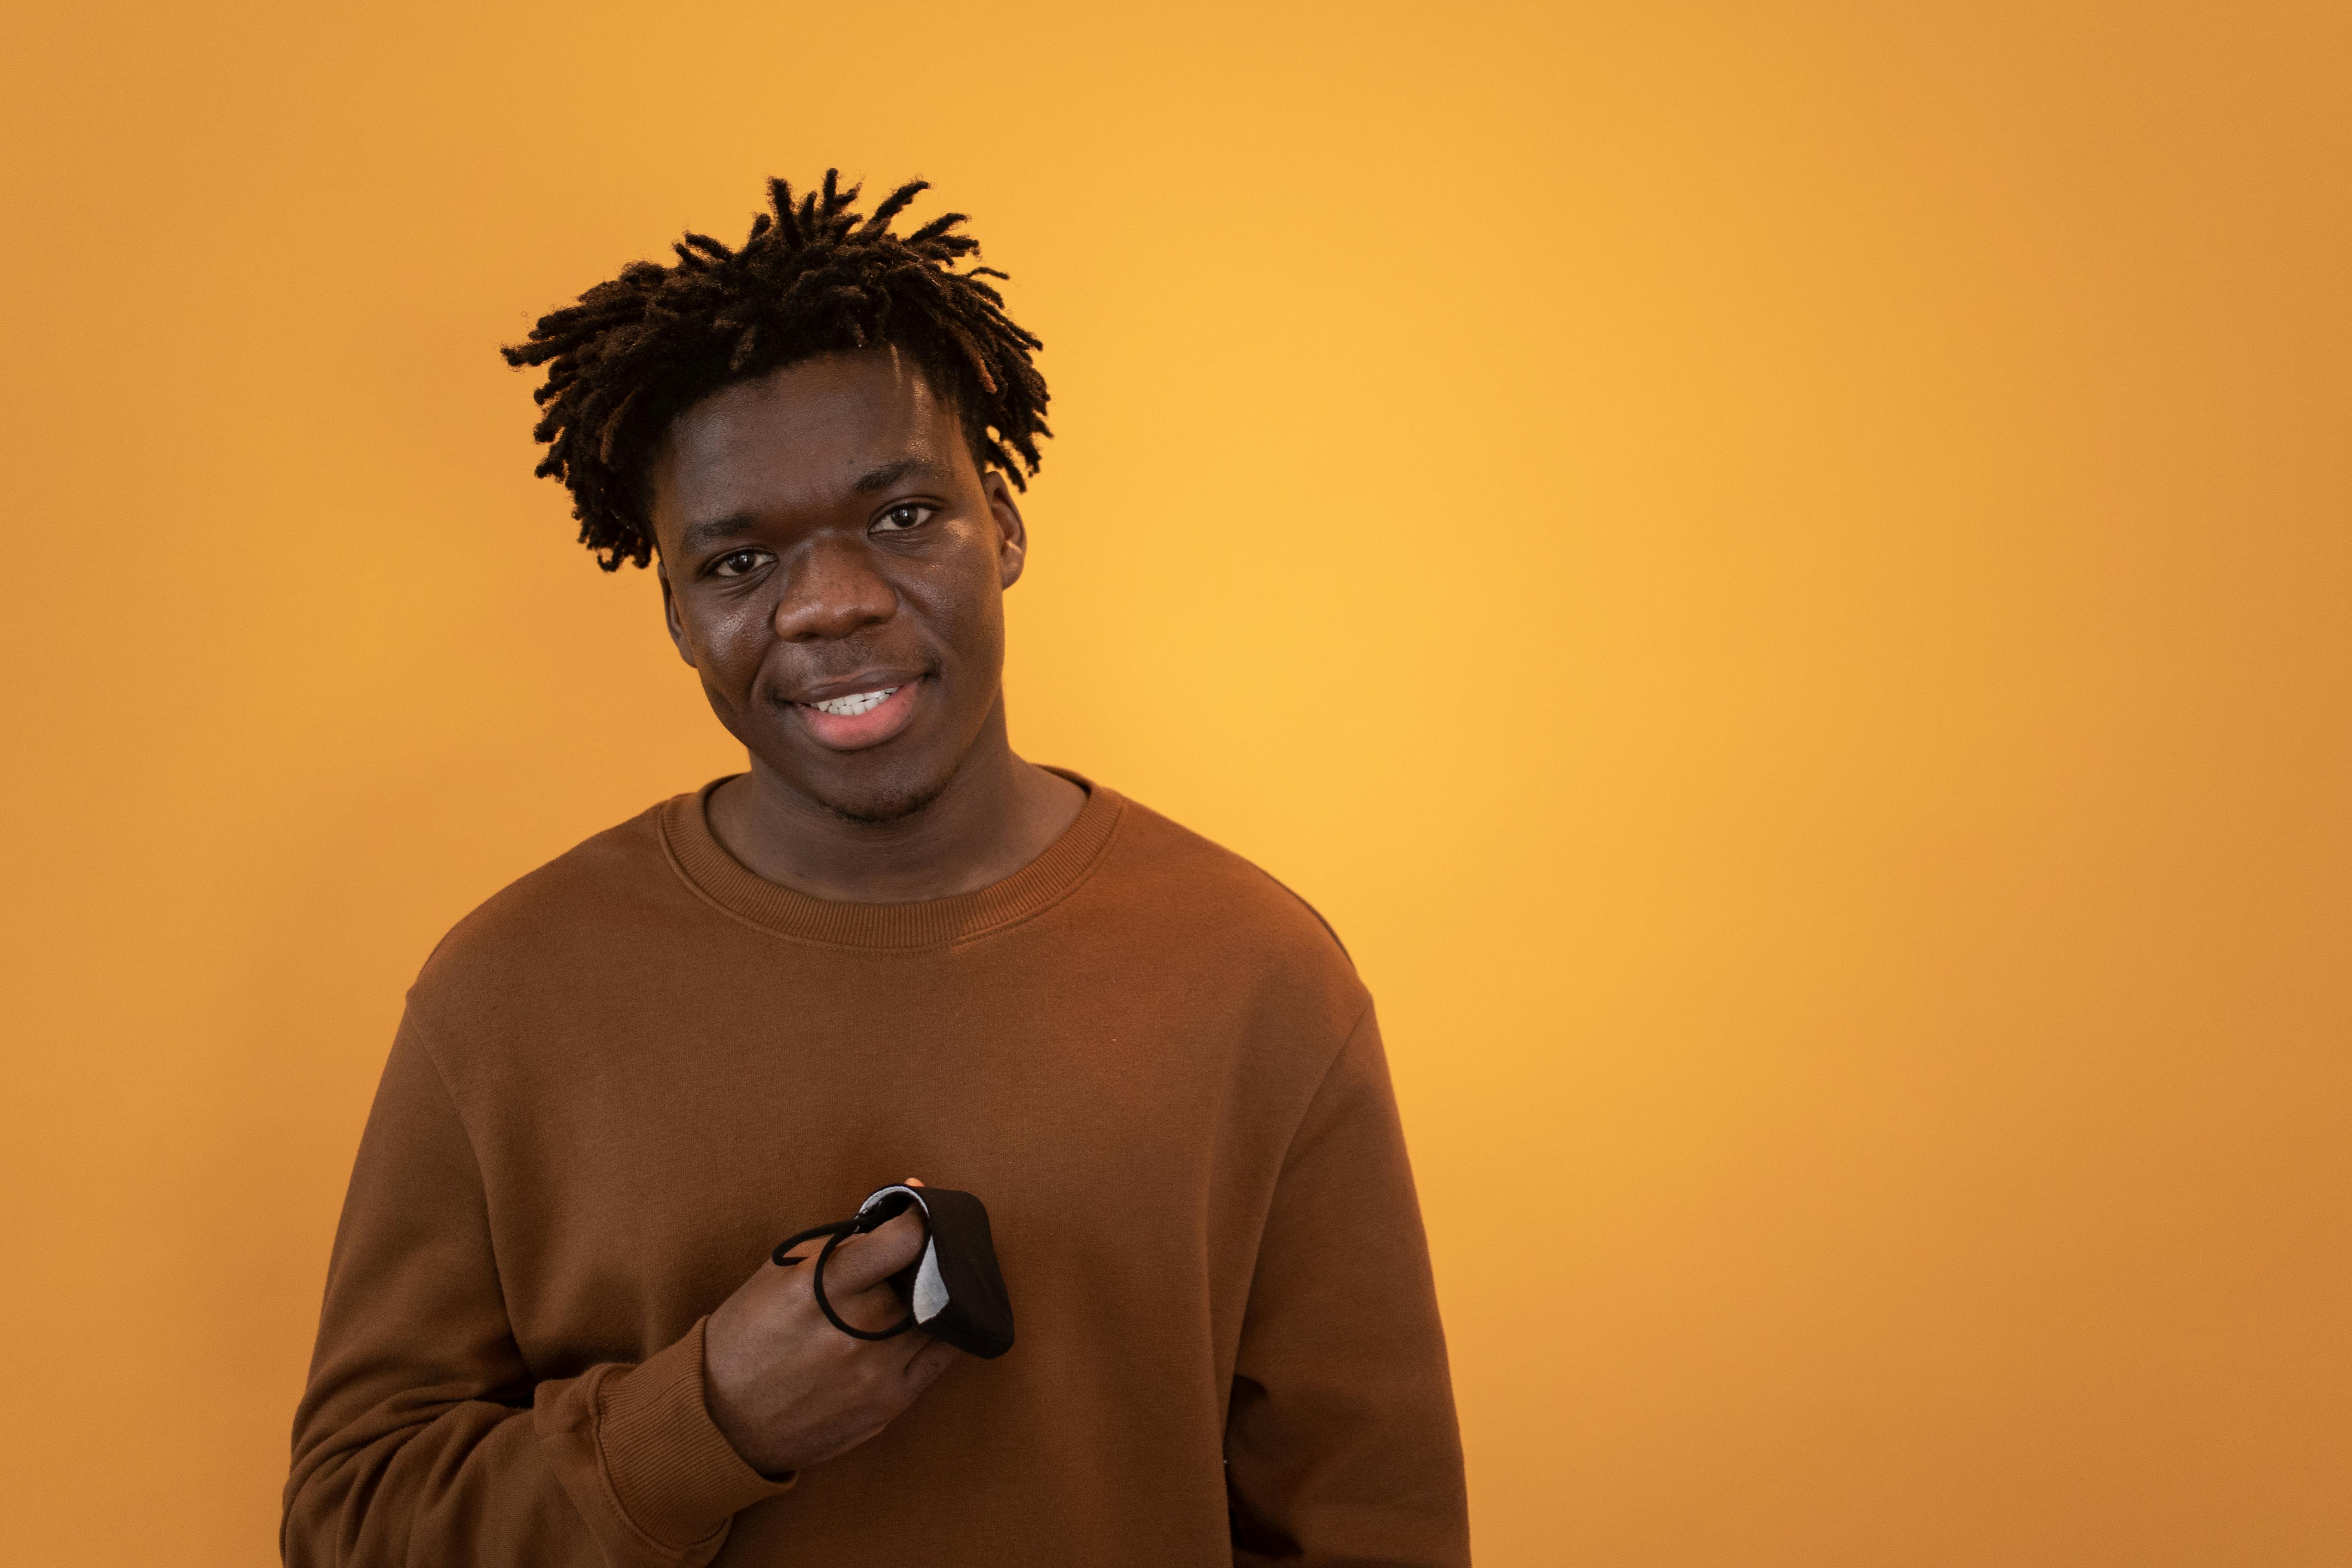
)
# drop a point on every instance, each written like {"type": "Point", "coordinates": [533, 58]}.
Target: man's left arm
{"type": "Point", "coordinates": [1341, 1443]}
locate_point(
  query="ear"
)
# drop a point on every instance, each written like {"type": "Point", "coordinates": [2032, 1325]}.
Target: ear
{"type": "Point", "coordinates": [1012, 534]}
{"type": "Point", "coordinates": [670, 613]}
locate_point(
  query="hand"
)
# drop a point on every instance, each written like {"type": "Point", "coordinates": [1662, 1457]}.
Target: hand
{"type": "Point", "coordinates": [787, 1388]}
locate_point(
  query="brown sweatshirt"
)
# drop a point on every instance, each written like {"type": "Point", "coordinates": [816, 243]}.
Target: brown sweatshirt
{"type": "Point", "coordinates": [625, 1078]}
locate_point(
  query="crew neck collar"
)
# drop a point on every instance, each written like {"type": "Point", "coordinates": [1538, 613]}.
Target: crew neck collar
{"type": "Point", "coordinates": [725, 882]}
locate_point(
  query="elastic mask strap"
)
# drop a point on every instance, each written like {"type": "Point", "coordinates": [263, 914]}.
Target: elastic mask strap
{"type": "Point", "coordinates": [835, 1235]}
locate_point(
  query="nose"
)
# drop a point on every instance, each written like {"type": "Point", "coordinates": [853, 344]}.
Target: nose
{"type": "Point", "coordinates": [831, 592]}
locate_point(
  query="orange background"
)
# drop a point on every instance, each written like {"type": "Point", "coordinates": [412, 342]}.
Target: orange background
{"type": "Point", "coordinates": [1779, 571]}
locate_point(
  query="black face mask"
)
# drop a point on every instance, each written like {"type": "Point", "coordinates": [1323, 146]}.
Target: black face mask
{"type": "Point", "coordinates": [953, 1291]}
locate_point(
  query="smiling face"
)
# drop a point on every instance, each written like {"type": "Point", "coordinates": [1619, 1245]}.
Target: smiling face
{"type": "Point", "coordinates": [833, 565]}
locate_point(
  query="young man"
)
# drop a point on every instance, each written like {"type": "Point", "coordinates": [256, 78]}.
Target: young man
{"type": "Point", "coordinates": [553, 1334]}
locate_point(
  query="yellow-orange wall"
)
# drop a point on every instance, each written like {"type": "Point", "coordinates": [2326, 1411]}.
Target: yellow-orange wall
{"type": "Point", "coordinates": [1779, 571]}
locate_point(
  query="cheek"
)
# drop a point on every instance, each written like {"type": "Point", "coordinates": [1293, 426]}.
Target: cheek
{"type": "Point", "coordinates": [730, 640]}
{"type": "Point", "coordinates": [964, 603]}
{"type": "Point", "coordinates": [965, 600]}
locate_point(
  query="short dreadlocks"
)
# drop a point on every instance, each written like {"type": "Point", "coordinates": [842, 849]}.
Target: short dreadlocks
{"type": "Point", "coordinates": [815, 277]}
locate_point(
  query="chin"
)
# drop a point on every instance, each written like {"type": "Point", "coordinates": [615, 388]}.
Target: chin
{"type": "Point", "coordinates": [875, 802]}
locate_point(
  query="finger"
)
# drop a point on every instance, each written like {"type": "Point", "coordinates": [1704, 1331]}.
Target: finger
{"type": "Point", "coordinates": [912, 1181]}
{"type": "Point", "coordinates": [865, 1262]}
{"type": "Point", "coordinates": [924, 1367]}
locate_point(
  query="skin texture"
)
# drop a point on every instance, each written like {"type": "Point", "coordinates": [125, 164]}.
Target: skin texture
{"type": "Point", "coordinates": [823, 530]}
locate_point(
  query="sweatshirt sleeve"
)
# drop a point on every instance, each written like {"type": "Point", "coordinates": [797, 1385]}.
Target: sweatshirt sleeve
{"type": "Point", "coordinates": [1340, 1443]}
{"type": "Point", "coordinates": [424, 1438]}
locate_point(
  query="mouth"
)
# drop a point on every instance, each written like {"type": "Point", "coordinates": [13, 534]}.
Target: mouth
{"type": "Point", "coordinates": [853, 721]}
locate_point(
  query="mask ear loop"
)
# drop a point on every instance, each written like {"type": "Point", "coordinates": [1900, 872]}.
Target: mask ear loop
{"type": "Point", "coordinates": [835, 1235]}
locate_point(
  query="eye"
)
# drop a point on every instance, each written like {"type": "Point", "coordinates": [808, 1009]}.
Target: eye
{"type": "Point", "coordinates": [739, 563]}
{"type": "Point", "coordinates": [904, 516]}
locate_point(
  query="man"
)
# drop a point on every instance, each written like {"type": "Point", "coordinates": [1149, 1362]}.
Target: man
{"type": "Point", "coordinates": [551, 1331]}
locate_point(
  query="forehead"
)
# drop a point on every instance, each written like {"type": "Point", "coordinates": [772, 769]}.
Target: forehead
{"type": "Point", "coordinates": [800, 436]}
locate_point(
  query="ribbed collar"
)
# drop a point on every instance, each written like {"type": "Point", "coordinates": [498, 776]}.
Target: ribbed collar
{"type": "Point", "coordinates": [719, 877]}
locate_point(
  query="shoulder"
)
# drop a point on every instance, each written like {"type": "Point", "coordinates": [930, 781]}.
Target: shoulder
{"type": "Point", "coordinates": [1194, 889]}
{"type": "Point", "coordinates": [574, 917]}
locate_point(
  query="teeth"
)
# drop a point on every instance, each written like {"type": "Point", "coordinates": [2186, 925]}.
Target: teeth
{"type": "Point", "coordinates": [852, 706]}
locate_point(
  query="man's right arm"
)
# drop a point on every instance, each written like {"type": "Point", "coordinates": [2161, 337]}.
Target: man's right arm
{"type": "Point", "coordinates": [424, 1438]}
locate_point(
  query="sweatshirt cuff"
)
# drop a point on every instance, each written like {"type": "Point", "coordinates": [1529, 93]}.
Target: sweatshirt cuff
{"type": "Point", "coordinates": [672, 1470]}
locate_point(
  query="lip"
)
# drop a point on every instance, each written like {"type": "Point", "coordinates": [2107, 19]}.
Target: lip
{"type": "Point", "coordinates": [873, 677]}
{"type": "Point", "coordinates": [837, 732]}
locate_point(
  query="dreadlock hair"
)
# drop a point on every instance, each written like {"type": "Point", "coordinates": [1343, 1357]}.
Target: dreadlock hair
{"type": "Point", "coordinates": [815, 277]}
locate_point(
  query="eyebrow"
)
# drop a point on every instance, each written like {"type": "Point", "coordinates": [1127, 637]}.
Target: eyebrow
{"type": "Point", "coordinates": [712, 529]}
{"type": "Point", "coordinates": [888, 474]}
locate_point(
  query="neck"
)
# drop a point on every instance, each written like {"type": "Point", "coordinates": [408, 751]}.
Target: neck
{"type": "Point", "coordinates": [995, 815]}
